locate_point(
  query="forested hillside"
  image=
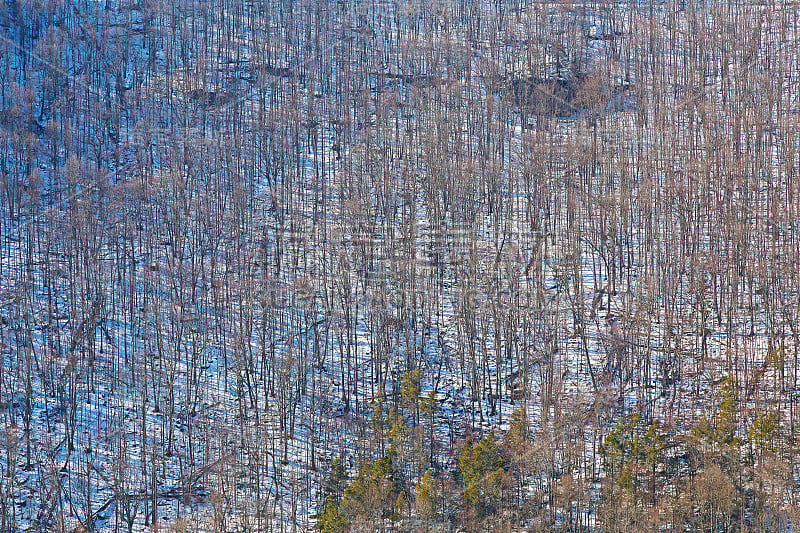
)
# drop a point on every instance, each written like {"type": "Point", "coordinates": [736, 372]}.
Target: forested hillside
{"type": "Point", "coordinates": [399, 265]}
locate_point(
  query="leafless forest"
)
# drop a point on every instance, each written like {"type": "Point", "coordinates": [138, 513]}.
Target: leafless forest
{"type": "Point", "coordinates": [399, 265]}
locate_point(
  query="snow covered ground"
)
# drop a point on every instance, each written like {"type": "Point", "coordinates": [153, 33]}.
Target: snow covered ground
{"type": "Point", "coordinates": [218, 286]}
